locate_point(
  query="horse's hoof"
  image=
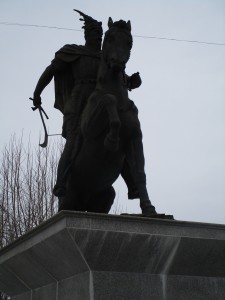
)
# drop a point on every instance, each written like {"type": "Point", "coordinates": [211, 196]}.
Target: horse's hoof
{"type": "Point", "coordinates": [111, 144]}
{"type": "Point", "coordinates": [148, 210]}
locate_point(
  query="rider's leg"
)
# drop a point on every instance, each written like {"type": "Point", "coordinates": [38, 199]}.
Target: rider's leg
{"type": "Point", "coordinates": [63, 167]}
{"type": "Point", "coordinates": [70, 151]}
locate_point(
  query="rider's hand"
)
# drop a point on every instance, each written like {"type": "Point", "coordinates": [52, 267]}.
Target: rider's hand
{"type": "Point", "coordinates": [37, 100]}
{"type": "Point", "coordinates": [134, 81]}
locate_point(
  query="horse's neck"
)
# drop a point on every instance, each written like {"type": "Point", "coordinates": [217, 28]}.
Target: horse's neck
{"type": "Point", "coordinates": [109, 80]}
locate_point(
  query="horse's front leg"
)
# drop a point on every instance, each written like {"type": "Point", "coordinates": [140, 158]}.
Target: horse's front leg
{"type": "Point", "coordinates": [112, 140]}
{"type": "Point", "coordinates": [136, 162]}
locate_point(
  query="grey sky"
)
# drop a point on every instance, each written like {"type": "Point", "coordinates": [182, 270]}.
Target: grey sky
{"type": "Point", "coordinates": [181, 101]}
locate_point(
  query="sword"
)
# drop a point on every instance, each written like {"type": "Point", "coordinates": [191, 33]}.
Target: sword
{"type": "Point", "coordinates": [41, 112]}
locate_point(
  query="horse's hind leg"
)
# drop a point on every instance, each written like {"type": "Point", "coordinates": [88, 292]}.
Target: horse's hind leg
{"type": "Point", "coordinates": [102, 201]}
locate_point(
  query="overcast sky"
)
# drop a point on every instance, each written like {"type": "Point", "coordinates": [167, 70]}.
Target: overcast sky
{"type": "Point", "coordinates": [181, 101]}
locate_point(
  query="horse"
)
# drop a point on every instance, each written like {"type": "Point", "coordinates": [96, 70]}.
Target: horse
{"type": "Point", "coordinates": [110, 133]}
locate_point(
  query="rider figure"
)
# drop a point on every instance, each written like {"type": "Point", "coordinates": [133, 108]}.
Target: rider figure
{"type": "Point", "coordinates": [74, 69]}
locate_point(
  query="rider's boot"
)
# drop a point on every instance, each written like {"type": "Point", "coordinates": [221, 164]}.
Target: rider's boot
{"type": "Point", "coordinates": [59, 189]}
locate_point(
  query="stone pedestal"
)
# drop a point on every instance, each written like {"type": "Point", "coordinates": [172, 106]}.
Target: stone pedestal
{"type": "Point", "coordinates": [87, 256]}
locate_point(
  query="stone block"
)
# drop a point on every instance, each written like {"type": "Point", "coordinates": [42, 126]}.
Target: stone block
{"type": "Point", "coordinates": [87, 256]}
{"type": "Point", "coordinates": [48, 292]}
{"type": "Point", "coordinates": [24, 296]}
{"type": "Point", "coordinates": [76, 287]}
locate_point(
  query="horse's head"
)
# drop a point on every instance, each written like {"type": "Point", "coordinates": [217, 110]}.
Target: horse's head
{"type": "Point", "coordinates": [117, 44]}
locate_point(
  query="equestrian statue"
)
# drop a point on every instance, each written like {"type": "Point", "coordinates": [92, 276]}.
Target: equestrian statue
{"type": "Point", "coordinates": [101, 125]}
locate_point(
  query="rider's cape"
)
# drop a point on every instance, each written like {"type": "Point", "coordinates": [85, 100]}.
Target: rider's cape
{"type": "Point", "coordinates": [64, 81]}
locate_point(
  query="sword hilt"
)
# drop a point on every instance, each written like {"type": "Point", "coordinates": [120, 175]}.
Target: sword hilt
{"type": "Point", "coordinates": [41, 110]}
{"type": "Point", "coordinates": [39, 107]}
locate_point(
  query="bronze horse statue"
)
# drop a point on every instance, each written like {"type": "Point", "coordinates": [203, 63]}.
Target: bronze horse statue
{"type": "Point", "coordinates": [110, 132]}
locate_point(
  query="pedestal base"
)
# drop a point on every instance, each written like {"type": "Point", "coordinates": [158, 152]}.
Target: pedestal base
{"type": "Point", "coordinates": [92, 256]}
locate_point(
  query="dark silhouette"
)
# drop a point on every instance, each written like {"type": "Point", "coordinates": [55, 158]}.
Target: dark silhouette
{"type": "Point", "coordinates": [74, 69]}
{"type": "Point", "coordinates": [91, 161]}
{"type": "Point", "coordinates": [110, 132]}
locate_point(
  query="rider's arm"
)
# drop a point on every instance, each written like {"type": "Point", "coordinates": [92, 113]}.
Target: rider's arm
{"type": "Point", "coordinates": [46, 78]}
{"type": "Point", "coordinates": [43, 81]}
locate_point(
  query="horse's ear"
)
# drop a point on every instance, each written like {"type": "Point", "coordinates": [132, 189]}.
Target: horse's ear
{"type": "Point", "coordinates": [129, 25]}
{"type": "Point", "coordinates": [110, 22]}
